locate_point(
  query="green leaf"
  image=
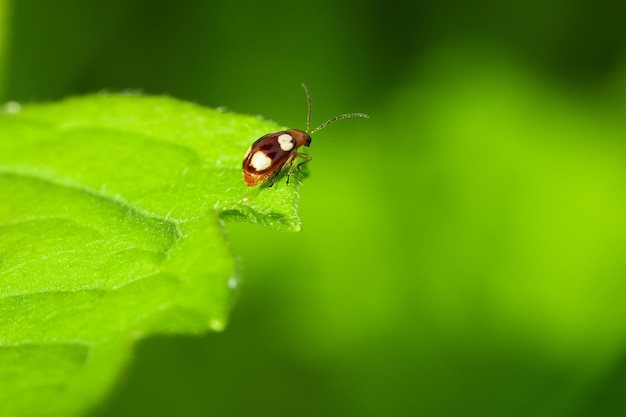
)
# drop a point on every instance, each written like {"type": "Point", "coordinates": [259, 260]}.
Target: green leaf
{"type": "Point", "coordinates": [111, 230]}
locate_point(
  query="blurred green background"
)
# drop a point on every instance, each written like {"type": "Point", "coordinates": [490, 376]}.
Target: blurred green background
{"type": "Point", "coordinates": [463, 252]}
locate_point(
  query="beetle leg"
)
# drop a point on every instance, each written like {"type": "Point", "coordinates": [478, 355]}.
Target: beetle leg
{"type": "Point", "coordinates": [273, 179]}
{"type": "Point", "coordinates": [305, 156]}
{"type": "Point", "coordinates": [275, 176]}
{"type": "Point", "coordinates": [293, 163]}
{"type": "Point", "coordinates": [292, 159]}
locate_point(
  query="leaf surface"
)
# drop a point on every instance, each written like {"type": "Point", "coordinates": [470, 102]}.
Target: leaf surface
{"type": "Point", "coordinates": [111, 230]}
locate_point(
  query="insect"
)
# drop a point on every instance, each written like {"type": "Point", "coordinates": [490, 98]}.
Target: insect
{"type": "Point", "coordinates": [267, 157]}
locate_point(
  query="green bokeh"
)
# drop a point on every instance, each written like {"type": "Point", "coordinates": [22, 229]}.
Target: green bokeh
{"type": "Point", "coordinates": [463, 252]}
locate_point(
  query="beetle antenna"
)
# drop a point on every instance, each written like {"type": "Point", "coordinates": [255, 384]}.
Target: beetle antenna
{"type": "Point", "coordinates": [334, 119]}
{"type": "Point", "coordinates": [308, 101]}
{"type": "Point", "coordinates": [326, 123]}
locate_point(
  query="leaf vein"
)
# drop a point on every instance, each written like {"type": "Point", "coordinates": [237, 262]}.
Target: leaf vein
{"type": "Point", "coordinates": [73, 185]}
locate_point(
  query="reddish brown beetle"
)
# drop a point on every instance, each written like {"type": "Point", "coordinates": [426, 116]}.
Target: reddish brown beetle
{"type": "Point", "coordinates": [271, 153]}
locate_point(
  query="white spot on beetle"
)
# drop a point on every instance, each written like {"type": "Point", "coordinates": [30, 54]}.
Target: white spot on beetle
{"type": "Point", "coordinates": [260, 161]}
{"type": "Point", "coordinates": [286, 142]}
